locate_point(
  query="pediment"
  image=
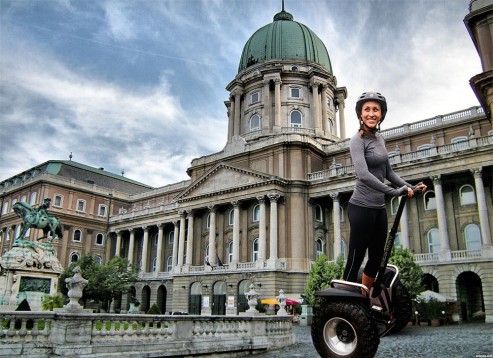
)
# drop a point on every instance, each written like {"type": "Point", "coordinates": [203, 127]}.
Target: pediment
{"type": "Point", "coordinates": [224, 178]}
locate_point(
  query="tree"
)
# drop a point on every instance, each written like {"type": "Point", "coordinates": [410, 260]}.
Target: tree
{"type": "Point", "coordinates": [106, 283]}
{"type": "Point", "coordinates": [53, 301]}
{"type": "Point", "coordinates": [321, 273]}
{"type": "Point", "coordinates": [411, 273]}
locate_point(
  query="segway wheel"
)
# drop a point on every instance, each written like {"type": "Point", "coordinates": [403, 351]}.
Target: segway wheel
{"type": "Point", "coordinates": [344, 329]}
{"type": "Point", "coordinates": [402, 307]}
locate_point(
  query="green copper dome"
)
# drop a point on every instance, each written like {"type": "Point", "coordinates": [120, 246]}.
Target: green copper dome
{"type": "Point", "coordinates": [284, 39]}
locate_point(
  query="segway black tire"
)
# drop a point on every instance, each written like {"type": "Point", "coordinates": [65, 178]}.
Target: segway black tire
{"type": "Point", "coordinates": [344, 329]}
{"type": "Point", "coordinates": [402, 308]}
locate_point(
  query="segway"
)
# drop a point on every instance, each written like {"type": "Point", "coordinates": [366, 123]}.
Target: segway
{"type": "Point", "coordinates": [347, 323]}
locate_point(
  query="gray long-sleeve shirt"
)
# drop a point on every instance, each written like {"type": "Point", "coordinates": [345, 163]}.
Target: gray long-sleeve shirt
{"type": "Point", "coordinates": [372, 166]}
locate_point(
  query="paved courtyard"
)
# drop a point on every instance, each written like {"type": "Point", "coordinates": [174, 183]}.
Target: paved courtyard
{"type": "Point", "coordinates": [454, 341]}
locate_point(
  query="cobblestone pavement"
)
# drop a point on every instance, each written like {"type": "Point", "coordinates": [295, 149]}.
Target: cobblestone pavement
{"type": "Point", "coordinates": [474, 340]}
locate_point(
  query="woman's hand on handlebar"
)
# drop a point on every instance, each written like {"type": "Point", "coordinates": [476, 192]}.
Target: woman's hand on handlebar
{"type": "Point", "coordinates": [410, 193]}
{"type": "Point", "coordinates": [420, 187]}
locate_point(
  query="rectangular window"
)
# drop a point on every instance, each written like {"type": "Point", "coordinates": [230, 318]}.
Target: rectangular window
{"type": "Point", "coordinates": [295, 92]}
{"type": "Point", "coordinates": [81, 206]}
{"type": "Point", "coordinates": [102, 210]}
{"type": "Point", "coordinates": [58, 202]}
{"type": "Point", "coordinates": [255, 97]}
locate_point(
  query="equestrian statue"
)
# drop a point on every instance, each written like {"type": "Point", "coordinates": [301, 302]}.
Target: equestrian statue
{"type": "Point", "coordinates": [38, 218]}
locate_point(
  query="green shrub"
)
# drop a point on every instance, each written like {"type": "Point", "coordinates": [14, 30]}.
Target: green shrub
{"type": "Point", "coordinates": [154, 309]}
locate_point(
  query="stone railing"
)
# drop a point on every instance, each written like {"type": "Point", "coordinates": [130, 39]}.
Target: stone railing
{"type": "Point", "coordinates": [444, 150]}
{"type": "Point", "coordinates": [48, 334]}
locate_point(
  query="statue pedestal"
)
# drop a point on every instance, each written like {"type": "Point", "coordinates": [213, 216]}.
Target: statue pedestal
{"type": "Point", "coordinates": [32, 272]}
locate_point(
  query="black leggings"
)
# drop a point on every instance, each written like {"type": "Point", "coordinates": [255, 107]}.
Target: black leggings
{"type": "Point", "coordinates": [368, 231]}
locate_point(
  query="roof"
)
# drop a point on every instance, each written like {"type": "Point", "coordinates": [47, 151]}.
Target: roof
{"type": "Point", "coordinates": [284, 39]}
{"type": "Point", "coordinates": [81, 172]}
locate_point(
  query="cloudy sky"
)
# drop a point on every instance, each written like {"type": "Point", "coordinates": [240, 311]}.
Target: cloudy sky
{"type": "Point", "coordinates": [139, 85]}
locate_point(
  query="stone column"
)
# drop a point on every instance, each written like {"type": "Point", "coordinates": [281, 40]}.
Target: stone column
{"type": "Point", "coordinates": [325, 116]}
{"type": "Point", "coordinates": [236, 231]}
{"type": "Point", "coordinates": [336, 218]}
{"type": "Point", "coordinates": [315, 104]}
{"type": "Point", "coordinates": [131, 246]}
{"type": "Point", "coordinates": [212, 236]}
{"type": "Point", "coordinates": [273, 237]}
{"type": "Point", "coordinates": [231, 117]}
{"type": "Point", "coordinates": [262, 232]}
{"type": "Point", "coordinates": [404, 229]}
{"type": "Point", "coordinates": [445, 254]}
{"type": "Point", "coordinates": [342, 120]}
{"type": "Point", "coordinates": [237, 94]}
{"type": "Point", "coordinates": [267, 103]}
{"type": "Point", "coordinates": [482, 208]}
{"type": "Point", "coordinates": [159, 255]}
{"type": "Point", "coordinates": [277, 94]}
{"type": "Point", "coordinates": [118, 243]}
{"type": "Point", "coordinates": [181, 242]}
{"type": "Point", "coordinates": [189, 255]}
{"type": "Point", "coordinates": [174, 260]}
{"type": "Point", "coordinates": [145, 246]}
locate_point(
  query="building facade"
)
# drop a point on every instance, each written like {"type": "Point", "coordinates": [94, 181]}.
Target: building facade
{"type": "Point", "coordinates": [261, 210]}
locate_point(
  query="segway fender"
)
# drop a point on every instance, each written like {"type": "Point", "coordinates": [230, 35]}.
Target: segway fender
{"type": "Point", "coordinates": [341, 293]}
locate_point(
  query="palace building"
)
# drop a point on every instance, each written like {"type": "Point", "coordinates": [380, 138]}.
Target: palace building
{"type": "Point", "coordinates": [261, 210]}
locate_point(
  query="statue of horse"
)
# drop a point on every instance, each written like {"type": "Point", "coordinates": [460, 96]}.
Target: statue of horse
{"type": "Point", "coordinates": [38, 219]}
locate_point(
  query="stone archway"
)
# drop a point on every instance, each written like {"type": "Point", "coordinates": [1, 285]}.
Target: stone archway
{"type": "Point", "coordinates": [219, 298]}
{"type": "Point", "coordinates": [195, 299]}
{"type": "Point", "coordinates": [470, 296]}
{"type": "Point", "coordinates": [430, 282]}
{"type": "Point", "coordinates": [243, 286]}
{"type": "Point", "coordinates": [146, 299]}
{"type": "Point", "coordinates": [162, 294]}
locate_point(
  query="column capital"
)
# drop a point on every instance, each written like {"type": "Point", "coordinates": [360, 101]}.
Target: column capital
{"type": "Point", "coordinates": [277, 81]}
{"type": "Point", "coordinates": [315, 83]}
{"type": "Point", "coordinates": [436, 178]}
{"type": "Point", "coordinates": [477, 172]}
{"type": "Point", "coordinates": [334, 196]}
{"type": "Point", "coordinates": [235, 203]}
{"type": "Point", "coordinates": [260, 198]}
{"type": "Point", "coordinates": [145, 228]}
{"type": "Point", "coordinates": [236, 92]}
{"type": "Point", "coordinates": [212, 208]}
{"type": "Point", "coordinates": [190, 212]}
{"type": "Point", "coordinates": [273, 196]}
{"type": "Point", "coordinates": [160, 225]}
{"type": "Point", "coordinates": [182, 213]}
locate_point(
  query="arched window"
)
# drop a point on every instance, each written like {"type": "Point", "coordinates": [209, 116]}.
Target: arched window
{"type": "Point", "coordinates": [433, 241]}
{"type": "Point", "coordinates": [5, 208]}
{"type": "Point", "coordinates": [13, 203]}
{"type": "Point", "coordinates": [99, 239]}
{"type": "Point", "coordinates": [430, 201]}
{"type": "Point", "coordinates": [320, 247]}
{"type": "Point", "coordinates": [208, 221]}
{"type": "Point", "coordinates": [154, 264]}
{"type": "Point", "coordinates": [319, 213]}
{"type": "Point", "coordinates": [255, 122]}
{"type": "Point", "coordinates": [397, 239]}
{"type": "Point", "coordinates": [460, 143]}
{"type": "Point", "coordinates": [98, 259]}
{"type": "Point", "coordinates": [467, 195]}
{"type": "Point", "coordinates": [343, 248]}
{"type": "Point", "coordinates": [206, 254]}
{"type": "Point", "coordinates": [295, 118]}
{"type": "Point", "coordinates": [231, 217]}
{"type": "Point", "coordinates": [230, 252]}
{"type": "Point", "coordinates": [255, 250]}
{"type": "Point", "coordinates": [23, 199]}
{"type": "Point", "coordinates": [74, 257]}
{"type": "Point", "coordinates": [77, 235]}
{"type": "Point", "coordinates": [472, 235]}
{"type": "Point", "coordinates": [256, 213]}
{"type": "Point", "coordinates": [169, 264]}
{"type": "Point", "coordinates": [424, 150]}
{"type": "Point", "coordinates": [394, 204]}
{"type": "Point", "coordinates": [156, 239]}
{"type": "Point", "coordinates": [171, 237]}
